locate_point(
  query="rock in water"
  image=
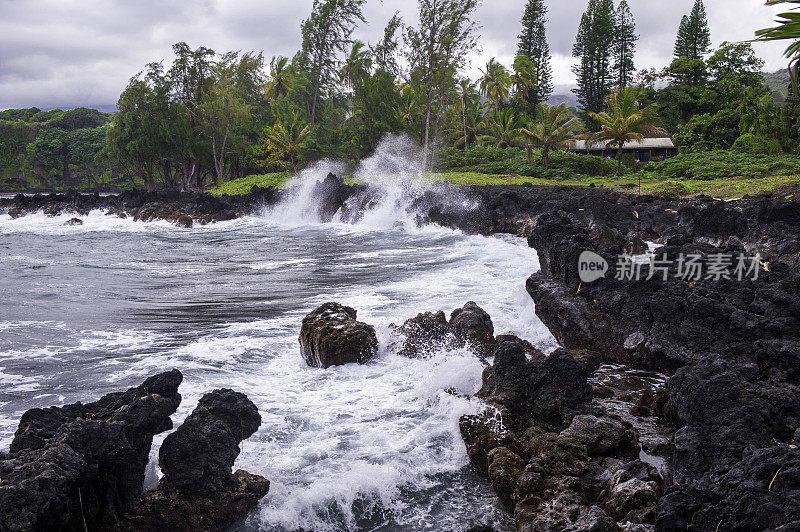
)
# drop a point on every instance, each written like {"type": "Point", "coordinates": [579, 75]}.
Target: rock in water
{"type": "Point", "coordinates": [211, 437]}
{"type": "Point", "coordinates": [331, 336]}
{"type": "Point", "coordinates": [425, 334]}
{"type": "Point", "coordinates": [546, 392]}
{"type": "Point", "coordinates": [74, 221]}
{"type": "Point", "coordinates": [184, 220]}
{"type": "Point", "coordinates": [198, 491]}
{"type": "Point", "coordinates": [82, 466]}
{"type": "Point", "coordinates": [473, 325]}
{"type": "Point", "coordinates": [331, 193]}
{"type": "Point", "coordinates": [555, 460]}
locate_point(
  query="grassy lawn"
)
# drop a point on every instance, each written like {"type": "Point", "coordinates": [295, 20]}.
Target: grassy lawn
{"type": "Point", "coordinates": [240, 187]}
{"type": "Point", "coordinates": [733, 187]}
{"type": "Point", "coordinates": [721, 188]}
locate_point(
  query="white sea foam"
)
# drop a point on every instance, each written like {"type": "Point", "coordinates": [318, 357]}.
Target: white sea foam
{"type": "Point", "coordinates": [299, 207]}
{"type": "Point", "coordinates": [375, 446]}
{"type": "Point", "coordinates": [335, 441]}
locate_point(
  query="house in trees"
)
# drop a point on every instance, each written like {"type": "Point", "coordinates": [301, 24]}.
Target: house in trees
{"type": "Point", "coordinates": [655, 149]}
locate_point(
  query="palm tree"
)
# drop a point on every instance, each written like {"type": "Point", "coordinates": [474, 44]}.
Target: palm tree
{"type": "Point", "coordinates": [788, 28]}
{"type": "Point", "coordinates": [408, 104]}
{"type": "Point", "coordinates": [287, 137]}
{"type": "Point", "coordinates": [552, 128]}
{"type": "Point", "coordinates": [494, 83]}
{"type": "Point", "coordinates": [625, 121]}
{"type": "Point", "coordinates": [466, 91]}
{"type": "Point", "coordinates": [504, 131]}
{"type": "Point", "coordinates": [357, 65]}
{"type": "Point", "coordinates": [279, 82]}
{"type": "Point", "coordinates": [524, 78]}
{"type": "Point", "coordinates": [469, 128]}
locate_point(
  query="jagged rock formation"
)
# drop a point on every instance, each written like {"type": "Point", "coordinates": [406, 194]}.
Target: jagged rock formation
{"type": "Point", "coordinates": [82, 467]}
{"type": "Point", "coordinates": [733, 347]}
{"type": "Point", "coordinates": [331, 336]}
{"type": "Point", "coordinates": [84, 463]}
{"type": "Point", "coordinates": [556, 460]}
{"type": "Point", "coordinates": [429, 332]}
{"type": "Point", "coordinates": [198, 490]}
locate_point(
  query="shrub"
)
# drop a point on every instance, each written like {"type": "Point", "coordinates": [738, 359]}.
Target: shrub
{"type": "Point", "coordinates": [757, 145]}
{"type": "Point", "coordinates": [492, 160]}
{"type": "Point", "coordinates": [722, 164]}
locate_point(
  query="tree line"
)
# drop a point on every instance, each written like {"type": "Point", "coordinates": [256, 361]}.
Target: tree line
{"type": "Point", "coordinates": [209, 117]}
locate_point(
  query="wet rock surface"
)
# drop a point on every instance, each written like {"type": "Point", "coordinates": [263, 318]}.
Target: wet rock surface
{"type": "Point", "coordinates": [84, 463]}
{"type": "Point", "coordinates": [556, 459]}
{"type": "Point", "coordinates": [730, 346]}
{"type": "Point", "coordinates": [82, 466]}
{"type": "Point", "coordinates": [332, 193]}
{"type": "Point", "coordinates": [331, 336]}
{"type": "Point", "coordinates": [473, 325]}
{"type": "Point", "coordinates": [184, 209]}
{"type": "Point", "coordinates": [430, 332]}
{"type": "Point", "coordinates": [198, 490]}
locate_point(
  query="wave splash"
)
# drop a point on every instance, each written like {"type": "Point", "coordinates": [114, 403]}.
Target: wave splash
{"type": "Point", "coordinates": [388, 185]}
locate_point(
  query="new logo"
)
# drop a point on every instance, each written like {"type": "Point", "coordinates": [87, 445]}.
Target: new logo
{"type": "Point", "coordinates": [591, 267]}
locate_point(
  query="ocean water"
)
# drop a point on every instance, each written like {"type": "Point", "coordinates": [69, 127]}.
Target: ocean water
{"type": "Point", "coordinates": [99, 307]}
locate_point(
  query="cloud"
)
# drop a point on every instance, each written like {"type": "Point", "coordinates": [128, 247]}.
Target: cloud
{"type": "Point", "coordinates": [66, 53]}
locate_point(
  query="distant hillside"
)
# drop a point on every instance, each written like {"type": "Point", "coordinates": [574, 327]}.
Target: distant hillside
{"type": "Point", "coordinates": [568, 98]}
{"type": "Point", "coordinates": [778, 82]}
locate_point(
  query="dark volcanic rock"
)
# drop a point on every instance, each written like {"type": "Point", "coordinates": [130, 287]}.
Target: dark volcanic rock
{"type": "Point", "coordinates": [330, 335]}
{"type": "Point", "coordinates": [732, 345]}
{"type": "Point", "coordinates": [74, 221]}
{"type": "Point", "coordinates": [656, 324]}
{"type": "Point", "coordinates": [170, 205]}
{"type": "Point", "coordinates": [602, 436]}
{"type": "Point", "coordinates": [425, 334]}
{"type": "Point", "coordinates": [331, 194]}
{"type": "Point", "coordinates": [430, 332]}
{"type": "Point", "coordinates": [184, 220]}
{"type": "Point", "coordinates": [168, 509]}
{"type": "Point", "coordinates": [84, 463]}
{"type": "Point", "coordinates": [473, 325]}
{"type": "Point", "coordinates": [482, 434]}
{"type": "Point", "coordinates": [211, 437]}
{"type": "Point", "coordinates": [714, 219]}
{"type": "Point", "coordinates": [579, 478]}
{"type": "Point", "coordinates": [198, 490]}
{"type": "Point", "coordinates": [542, 392]}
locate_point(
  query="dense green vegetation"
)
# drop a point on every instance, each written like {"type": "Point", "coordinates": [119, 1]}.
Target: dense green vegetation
{"type": "Point", "coordinates": [209, 119]}
{"type": "Point", "coordinates": [54, 148]}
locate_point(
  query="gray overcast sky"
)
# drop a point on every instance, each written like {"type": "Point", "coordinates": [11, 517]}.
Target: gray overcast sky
{"type": "Point", "coordinates": [67, 53]}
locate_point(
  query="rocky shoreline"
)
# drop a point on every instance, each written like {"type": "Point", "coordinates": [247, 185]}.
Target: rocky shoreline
{"type": "Point", "coordinates": [580, 440]}
{"type": "Point", "coordinates": [82, 466]}
{"type": "Point", "coordinates": [731, 350]}
{"type": "Point", "coordinates": [184, 209]}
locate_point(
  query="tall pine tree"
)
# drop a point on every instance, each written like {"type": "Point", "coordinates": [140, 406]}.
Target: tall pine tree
{"type": "Point", "coordinates": [594, 47]}
{"type": "Point", "coordinates": [533, 44]}
{"type": "Point", "coordinates": [694, 37]}
{"type": "Point", "coordinates": [624, 45]}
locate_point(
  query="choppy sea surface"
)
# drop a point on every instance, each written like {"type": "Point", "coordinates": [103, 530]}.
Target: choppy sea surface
{"type": "Point", "coordinates": [97, 308]}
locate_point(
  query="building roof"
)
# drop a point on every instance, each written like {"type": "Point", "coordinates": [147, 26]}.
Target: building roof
{"type": "Point", "coordinates": [666, 142]}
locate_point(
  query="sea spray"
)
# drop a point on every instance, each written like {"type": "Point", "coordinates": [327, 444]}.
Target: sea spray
{"type": "Point", "coordinates": [395, 181]}
{"type": "Point", "coordinates": [300, 206]}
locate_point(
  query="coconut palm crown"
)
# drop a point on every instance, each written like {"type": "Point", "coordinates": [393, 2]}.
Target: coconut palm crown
{"type": "Point", "coordinates": [279, 82]}
{"type": "Point", "coordinates": [624, 122]}
{"type": "Point", "coordinates": [552, 128]}
{"type": "Point", "coordinates": [494, 83]}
